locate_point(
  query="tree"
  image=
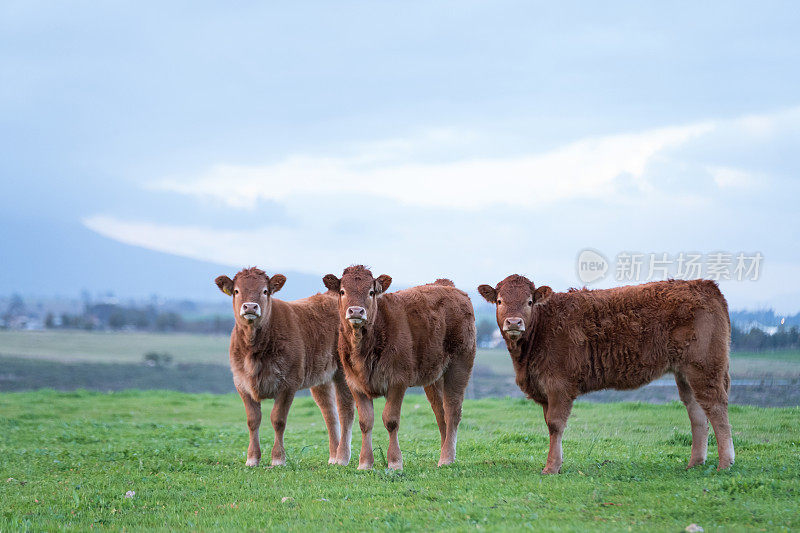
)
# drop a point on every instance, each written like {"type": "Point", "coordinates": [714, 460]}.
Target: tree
{"type": "Point", "coordinates": [485, 329]}
{"type": "Point", "coordinates": [16, 306]}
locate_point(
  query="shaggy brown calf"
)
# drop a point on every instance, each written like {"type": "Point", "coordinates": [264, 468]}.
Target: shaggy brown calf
{"type": "Point", "coordinates": [423, 336]}
{"type": "Point", "coordinates": [566, 344]}
{"type": "Point", "coordinates": [278, 348]}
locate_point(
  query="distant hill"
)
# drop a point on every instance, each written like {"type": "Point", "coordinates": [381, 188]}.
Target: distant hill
{"type": "Point", "coordinates": [41, 257]}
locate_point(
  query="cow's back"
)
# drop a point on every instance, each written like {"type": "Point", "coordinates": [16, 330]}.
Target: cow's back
{"type": "Point", "coordinates": [421, 332]}
{"type": "Point", "coordinates": [627, 336]}
{"type": "Point", "coordinates": [315, 325]}
{"type": "Point", "coordinates": [314, 320]}
{"type": "Point", "coordinates": [437, 312]}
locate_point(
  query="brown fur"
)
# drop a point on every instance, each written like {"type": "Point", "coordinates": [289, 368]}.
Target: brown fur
{"type": "Point", "coordinates": [622, 338]}
{"type": "Point", "coordinates": [423, 336]}
{"type": "Point", "coordinates": [290, 347]}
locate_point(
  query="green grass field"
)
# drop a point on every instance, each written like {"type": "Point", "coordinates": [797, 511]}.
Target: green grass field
{"type": "Point", "coordinates": [113, 346]}
{"type": "Point", "coordinates": [67, 460]}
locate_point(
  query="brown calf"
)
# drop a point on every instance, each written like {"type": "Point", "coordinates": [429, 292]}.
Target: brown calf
{"type": "Point", "coordinates": [278, 348]}
{"type": "Point", "coordinates": [423, 336]}
{"type": "Point", "coordinates": [566, 344]}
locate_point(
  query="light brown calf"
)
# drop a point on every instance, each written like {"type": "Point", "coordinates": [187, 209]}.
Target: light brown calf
{"type": "Point", "coordinates": [566, 344]}
{"type": "Point", "coordinates": [423, 336]}
{"type": "Point", "coordinates": [278, 348]}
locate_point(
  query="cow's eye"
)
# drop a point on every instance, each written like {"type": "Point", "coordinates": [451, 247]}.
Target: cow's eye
{"type": "Point", "coordinates": [341, 292]}
{"type": "Point", "coordinates": [372, 293]}
{"type": "Point", "coordinates": [499, 302]}
{"type": "Point", "coordinates": [266, 291]}
{"type": "Point", "coordinates": [235, 291]}
{"type": "Point", "coordinates": [530, 302]}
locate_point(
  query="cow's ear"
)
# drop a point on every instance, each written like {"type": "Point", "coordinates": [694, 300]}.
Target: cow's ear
{"type": "Point", "coordinates": [331, 282]}
{"type": "Point", "coordinates": [276, 282]}
{"type": "Point", "coordinates": [488, 292]}
{"type": "Point", "coordinates": [225, 284]}
{"type": "Point", "coordinates": [542, 293]}
{"type": "Point", "coordinates": [382, 283]}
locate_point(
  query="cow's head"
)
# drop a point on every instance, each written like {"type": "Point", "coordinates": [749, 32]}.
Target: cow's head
{"type": "Point", "coordinates": [514, 297]}
{"type": "Point", "coordinates": [358, 295]}
{"type": "Point", "coordinates": [252, 292]}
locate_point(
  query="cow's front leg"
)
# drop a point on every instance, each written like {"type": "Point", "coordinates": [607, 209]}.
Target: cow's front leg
{"type": "Point", "coordinates": [366, 419]}
{"type": "Point", "coordinates": [344, 402]}
{"type": "Point", "coordinates": [558, 410]}
{"type": "Point", "coordinates": [324, 396]}
{"type": "Point", "coordinates": [391, 419]}
{"type": "Point", "coordinates": [253, 410]}
{"type": "Point", "coordinates": [280, 409]}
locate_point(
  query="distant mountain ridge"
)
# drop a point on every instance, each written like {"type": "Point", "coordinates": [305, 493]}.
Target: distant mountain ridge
{"type": "Point", "coordinates": [40, 257]}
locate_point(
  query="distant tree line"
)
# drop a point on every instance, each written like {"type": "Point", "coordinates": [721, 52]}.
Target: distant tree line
{"type": "Point", "coordinates": [112, 316]}
{"type": "Point", "coordinates": [120, 317]}
{"type": "Point", "coordinates": [757, 340]}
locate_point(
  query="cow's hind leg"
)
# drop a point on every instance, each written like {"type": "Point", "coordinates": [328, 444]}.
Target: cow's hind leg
{"type": "Point", "coordinates": [711, 393]}
{"type": "Point", "coordinates": [391, 419]}
{"type": "Point", "coordinates": [434, 392]}
{"type": "Point", "coordinates": [366, 419]}
{"type": "Point", "coordinates": [280, 410]}
{"type": "Point", "coordinates": [324, 396]}
{"type": "Point", "coordinates": [698, 420]}
{"type": "Point", "coordinates": [344, 401]}
{"type": "Point", "coordinates": [253, 410]}
{"type": "Point", "coordinates": [455, 385]}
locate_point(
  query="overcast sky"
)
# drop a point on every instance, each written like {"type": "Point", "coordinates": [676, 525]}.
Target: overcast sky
{"type": "Point", "coordinates": [426, 139]}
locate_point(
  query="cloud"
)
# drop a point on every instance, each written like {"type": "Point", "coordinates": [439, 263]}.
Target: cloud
{"type": "Point", "coordinates": [584, 168]}
{"type": "Point", "coordinates": [683, 188]}
{"type": "Point", "coordinates": [731, 177]}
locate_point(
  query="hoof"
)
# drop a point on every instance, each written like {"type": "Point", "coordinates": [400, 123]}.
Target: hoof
{"type": "Point", "coordinates": [724, 465]}
{"type": "Point", "coordinates": [332, 461]}
{"type": "Point", "coordinates": [550, 471]}
{"type": "Point", "coordinates": [445, 462]}
{"type": "Point", "coordinates": [343, 457]}
{"type": "Point", "coordinates": [364, 466]}
{"type": "Point", "coordinates": [695, 462]}
{"type": "Point", "coordinates": [396, 465]}
{"type": "Point", "coordinates": [252, 462]}
{"type": "Point", "coordinates": [278, 462]}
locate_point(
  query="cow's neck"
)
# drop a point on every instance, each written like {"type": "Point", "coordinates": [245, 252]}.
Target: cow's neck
{"type": "Point", "coordinates": [529, 346]}
{"type": "Point", "coordinates": [514, 345]}
{"type": "Point", "coordinates": [253, 339]}
{"type": "Point", "coordinates": [520, 349]}
{"type": "Point", "coordinates": [363, 340]}
{"type": "Point", "coordinates": [516, 350]}
{"type": "Point", "coordinates": [360, 339]}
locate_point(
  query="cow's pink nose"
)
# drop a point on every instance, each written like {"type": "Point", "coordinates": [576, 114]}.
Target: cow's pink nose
{"type": "Point", "coordinates": [356, 312]}
{"type": "Point", "coordinates": [514, 323]}
{"type": "Point", "coordinates": [251, 308]}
